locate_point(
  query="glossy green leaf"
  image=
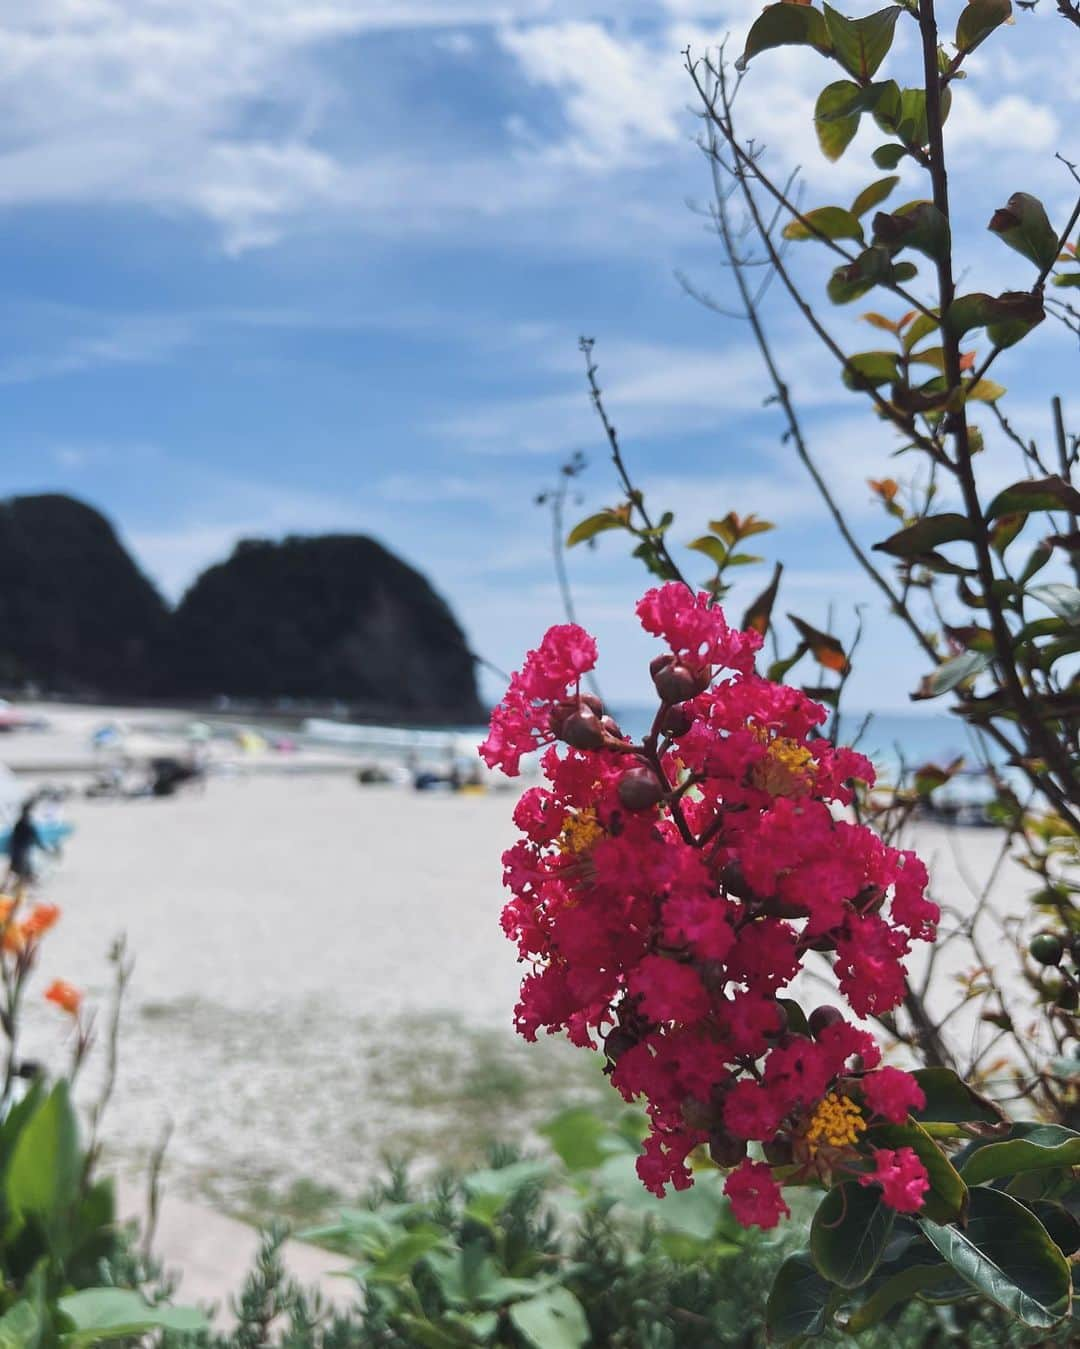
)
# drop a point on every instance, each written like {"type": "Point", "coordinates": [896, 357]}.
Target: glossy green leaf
{"type": "Point", "coordinates": [1059, 598]}
{"type": "Point", "coordinates": [1065, 279]}
{"type": "Point", "coordinates": [825, 222]}
{"type": "Point", "coordinates": [95, 1315]}
{"type": "Point", "coordinates": [1052, 493]}
{"type": "Point", "coordinates": [949, 1100]}
{"type": "Point", "coordinates": [977, 21]}
{"type": "Point", "coordinates": [396, 1262]}
{"type": "Point", "coordinates": [950, 673]}
{"type": "Point", "coordinates": [712, 548]}
{"type": "Point", "coordinates": [785, 25]}
{"type": "Point", "coordinates": [900, 1288]}
{"type": "Point", "coordinates": [860, 45]}
{"type": "Point", "coordinates": [21, 1326]}
{"type": "Point", "coordinates": [1005, 1253]}
{"type": "Point", "coordinates": [850, 282]}
{"type": "Point", "coordinates": [553, 1320]}
{"type": "Point", "coordinates": [873, 194]}
{"type": "Point", "coordinates": [798, 1302]}
{"type": "Point", "coordinates": [871, 369]}
{"type": "Point", "coordinates": [1030, 1147]}
{"type": "Point", "coordinates": [925, 534]}
{"type": "Point", "coordinates": [983, 391]}
{"type": "Point", "coordinates": [922, 325]}
{"type": "Point", "coordinates": [919, 225]}
{"type": "Point", "coordinates": [837, 113]}
{"type": "Point", "coordinates": [887, 156]}
{"type": "Point", "coordinates": [1023, 224]}
{"type": "Point", "coordinates": [595, 524]}
{"type": "Point", "coordinates": [849, 1232]}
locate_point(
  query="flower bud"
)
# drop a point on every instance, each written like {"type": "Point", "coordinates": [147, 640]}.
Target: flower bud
{"type": "Point", "coordinates": [577, 725]}
{"type": "Point", "coordinates": [1068, 997]}
{"type": "Point", "coordinates": [591, 701]}
{"type": "Point", "coordinates": [640, 789]}
{"type": "Point", "coordinates": [869, 900]}
{"type": "Point", "coordinates": [676, 681]}
{"type": "Point", "coordinates": [822, 1017]}
{"type": "Point", "coordinates": [611, 727]}
{"type": "Point", "coordinates": [726, 1150]}
{"type": "Point", "coordinates": [699, 1114]}
{"type": "Point", "coordinates": [676, 722]}
{"type": "Point", "coordinates": [778, 1152]}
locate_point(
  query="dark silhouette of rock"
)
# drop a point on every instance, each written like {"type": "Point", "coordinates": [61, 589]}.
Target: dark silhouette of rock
{"type": "Point", "coordinates": [336, 616]}
{"type": "Point", "coordinates": [77, 616]}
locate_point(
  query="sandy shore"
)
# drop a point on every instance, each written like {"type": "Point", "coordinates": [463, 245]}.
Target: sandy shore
{"type": "Point", "coordinates": [320, 975]}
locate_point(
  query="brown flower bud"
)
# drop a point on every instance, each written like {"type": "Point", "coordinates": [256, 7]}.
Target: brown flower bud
{"type": "Point", "coordinates": [724, 1149]}
{"type": "Point", "coordinates": [699, 1114]}
{"type": "Point", "coordinates": [676, 681]}
{"type": "Point", "coordinates": [640, 789]}
{"type": "Point", "coordinates": [577, 725]}
{"type": "Point", "coordinates": [677, 721]}
{"type": "Point", "coordinates": [821, 1017]}
{"type": "Point", "coordinates": [617, 1042]}
{"type": "Point", "coordinates": [778, 1152]}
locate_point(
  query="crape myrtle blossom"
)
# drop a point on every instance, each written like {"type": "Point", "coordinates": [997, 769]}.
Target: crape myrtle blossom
{"type": "Point", "coordinates": [665, 893]}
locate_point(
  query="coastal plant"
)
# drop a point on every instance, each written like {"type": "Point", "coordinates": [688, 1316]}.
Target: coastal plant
{"type": "Point", "coordinates": [58, 1227]}
{"type": "Point", "coordinates": [667, 892]}
{"type": "Point", "coordinates": [982, 579]}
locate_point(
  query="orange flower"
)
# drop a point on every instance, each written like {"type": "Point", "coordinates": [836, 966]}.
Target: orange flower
{"type": "Point", "coordinates": [7, 908]}
{"type": "Point", "coordinates": [14, 938]}
{"type": "Point", "coordinates": [66, 996]}
{"type": "Point", "coordinates": [40, 919]}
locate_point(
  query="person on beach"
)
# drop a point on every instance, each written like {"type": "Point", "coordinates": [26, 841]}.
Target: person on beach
{"type": "Point", "coordinates": [24, 839]}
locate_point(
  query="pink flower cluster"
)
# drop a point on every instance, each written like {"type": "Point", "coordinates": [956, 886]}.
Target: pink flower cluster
{"type": "Point", "coordinates": [666, 892]}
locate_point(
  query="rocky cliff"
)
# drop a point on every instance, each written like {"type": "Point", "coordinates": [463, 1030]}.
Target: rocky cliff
{"type": "Point", "coordinates": [336, 617]}
{"type": "Point", "coordinates": [76, 614]}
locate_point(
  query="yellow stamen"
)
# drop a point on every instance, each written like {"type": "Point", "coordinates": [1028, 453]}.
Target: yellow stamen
{"type": "Point", "coordinates": [837, 1122]}
{"type": "Point", "coordinates": [580, 832]}
{"type": "Point", "coordinates": [786, 770]}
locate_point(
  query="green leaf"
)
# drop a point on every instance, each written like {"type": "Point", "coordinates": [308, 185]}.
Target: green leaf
{"type": "Point", "coordinates": [1031, 1148]}
{"type": "Point", "coordinates": [1065, 279]}
{"type": "Point", "coordinates": [491, 1190]}
{"type": "Point", "coordinates": [949, 1100]}
{"type": "Point", "coordinates": [595, 524]}
{"type": "Point", "coordinates": [836, 116]}
{"type": "Point", "coordinates": [825, 222]}
{"type": "Point", "coordinates": [1005, 1253]}
{"type": "Point", "coordinates": [21, 1326]}
{"type": "Point", "coordinates": [926, 534]}
{"type": "Point", "coordinates": [977, 21]}
{"type": "Point", "coordinates": [860, 45]}
{"type": "Point", "coordinates": [873, 194]}
{"type": "Point", "coordinates": [1023, 224]}
{"type": "Point", "coordinates": [1059, 598]}
{"type": "Point", "coordinates": [919, 225]}
{"type": "Point", "coordinates": [921, 326]}
{"type": "Point", "coordinates": [849, 1232]}
{"type": "Point", "coordinates": [798, 1302]}
{"type": "Point", "coordinates": [871, 369]}
{"type": "Point", "coordinates": [947, 1197]}
{"type": "Point", "coordinates": [712, 548]}
{"type": "Point", "coordinates": [850, 282]}
{"type": "Point", "coordinates": [553, 1320]}
{"type": "Point", "coordinates": [46, 1165]}
{"type": "Point", "coordinates": [950, 673]}
{"type": "Point", "coordinates": [983, 391]}
{"type": "Point", "coordinates": [97, 1314]}
{"type": "Point", "coordinates": [886, 156]}
{"type": "Point", "coordinates": [1007, 317]}
{"type": "Point", "coordinates": [902, 1287]}
{"type": "Point", "coordinates": [1039, 494]}
{"type": "Point", "coordinates": [785, 25]}
{"type": "Point", "coordinates": [396, 1262]}
{"type": "Point", "coordinates": [581, 1140]}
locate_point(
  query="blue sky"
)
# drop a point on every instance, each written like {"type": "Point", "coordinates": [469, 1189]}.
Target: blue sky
{"type": "Point", "coordinates": [300, 266]}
